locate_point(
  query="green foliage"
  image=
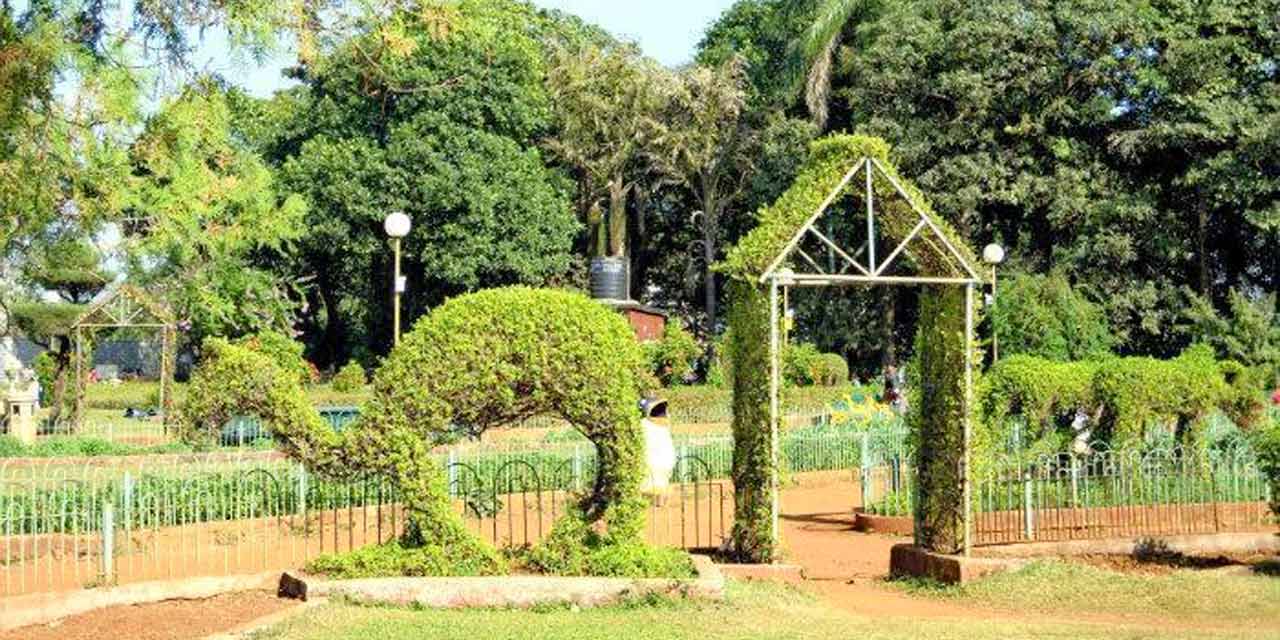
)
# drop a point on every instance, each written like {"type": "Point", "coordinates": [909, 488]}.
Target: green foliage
{"type": "Point", "coordinates": [212, 207]}
{"type": "Point", "coordinates": [574, 549]}
{"type": "Point", "coordinates": [284, 351]}
{"type": "Point", "coordinates": [608, 101]}
{"type": "Point", "coordinates": [1266, 444]}
{"type": "Point", "coordinates": [748, 349]}
{"type": "Point", "coordinates": [1044, 316]}
{"type": "Point", "coordinates": [456, 149]}
{"type": "Point", "coordinates": [1249, 333]}
{"type": "Point", "coordinates": [1124, 398]}
{"type": "Point", "coordinates": [350, 379]}
{"type": "Point", "coordinates": [525, 352]}
{"type": "Point", "coordinates": [939, 413]}
{"type": "Point", "coordinates": [236, 380]}
{"type": "Point", "coordinates": [396, 559]}
{"type": "Point", "coordinates": [46, 370]}
{"type": "Point", "coordinates": [804, 365]}
{"type": "Point", "coordinates": [829, 160]}
{"type": "Point", "coordinates": [81, 447]}
{"type": "Point", "coordinates": [671, 359]}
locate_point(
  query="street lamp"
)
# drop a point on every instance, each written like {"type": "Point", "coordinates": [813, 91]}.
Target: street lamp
{"type": "Point", "coordinates": [397, 226]}
{"type": "Point", "coordinates": [993, 255]}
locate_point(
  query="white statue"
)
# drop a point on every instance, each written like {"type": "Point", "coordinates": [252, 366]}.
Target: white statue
{"type": "Point", "coordinates": [659, 449]}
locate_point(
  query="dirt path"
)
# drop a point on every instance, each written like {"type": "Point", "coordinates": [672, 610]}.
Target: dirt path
{"type": "Point", "coordinates": [171, 620]}
{"type": "Point", "coordinates": [848, 568]}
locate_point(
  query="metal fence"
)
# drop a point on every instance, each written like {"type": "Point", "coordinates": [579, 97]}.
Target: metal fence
{"type": "Point", "coordinates": [1100, 495]}
{"type": "Point", "coordinates": [74, 523]}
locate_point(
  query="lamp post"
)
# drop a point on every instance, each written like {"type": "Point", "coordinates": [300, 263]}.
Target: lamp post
{"type": "Point", "coordinates": [993, 255]}
{"type": "Point", "coordinates": [397, 226]}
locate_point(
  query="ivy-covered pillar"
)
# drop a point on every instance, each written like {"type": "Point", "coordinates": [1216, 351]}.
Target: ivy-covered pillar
{"type": "Point", "coordinates": [749, 352]}
{"type": "Point", "coordinates": [940, 417]}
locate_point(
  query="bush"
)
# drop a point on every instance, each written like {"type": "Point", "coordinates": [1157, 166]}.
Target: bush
{"type": "Point", "coordinates": [830, 369]}
{"type": "Point", "coordinates": [1123, 397]}
{"type": "Point", "coordinates": [672, 358]}
{"type": "Point", "coordinates": [46, 370]}
{"type": "Point", "coordinates": [395, 559]}
{"type": "Point", "coordinates": [574, 549]}
{"type": "Point", "coordinates": [284, 351]}
{"type": "Point", "coordinates": [798, 363]}
{"type": "Point", "coordinates": [1044, 316]}
{"type": "Point", "coordinates": [350, 379]}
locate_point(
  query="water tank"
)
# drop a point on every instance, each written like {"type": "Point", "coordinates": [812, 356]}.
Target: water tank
{"type": "Point", "coordinates": [611, 278]}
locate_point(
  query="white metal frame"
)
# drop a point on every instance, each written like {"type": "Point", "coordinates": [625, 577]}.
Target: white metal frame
{"type": "Point", "coordinates": [872, 273]}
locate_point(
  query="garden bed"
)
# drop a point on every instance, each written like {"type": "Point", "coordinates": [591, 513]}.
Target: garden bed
{"type": "Point", "coordinates": [506, 591]}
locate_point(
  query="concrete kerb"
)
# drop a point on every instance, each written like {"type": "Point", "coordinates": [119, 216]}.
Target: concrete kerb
{"type": "Point", "coordinates": [43, 608]}
{"type": "Point", "coordinates": [1191, 544]}
{"type": "Point", "coordinates": [506, 591]}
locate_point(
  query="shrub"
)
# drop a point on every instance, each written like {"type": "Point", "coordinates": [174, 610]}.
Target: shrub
{"type": "Point", "coordinates": [574, 549]}
{"type": "Point", "coordinates": [494, 357]}
{"type": "Point", "coordinates": [396, 559]}
{"type": "Point", "coordinates": [46, 370]}
{"type": "Point", "coordinates": [350, 379]}
{"type": "Point", "coordinates": [798, 363]}
{"type": "Point", "coordinates": [830, 369]}
{"type": "Point", "coordinates": [671, 359]}
{"type": "Point", "coordinates": [1124, 397]}
{"type": "Point", "coordinates": [284, 351]}
{"type": "Point", "coordinates": [1044, 316]}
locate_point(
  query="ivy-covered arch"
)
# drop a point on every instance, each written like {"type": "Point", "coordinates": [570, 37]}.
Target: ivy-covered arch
{"type": "Point", "coordinates": [479, 361]}
{"type": "Point", "coordinates": [786, 249]}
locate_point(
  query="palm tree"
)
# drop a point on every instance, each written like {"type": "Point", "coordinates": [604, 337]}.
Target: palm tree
{"type": "Point", "coordinates": [815, 49]}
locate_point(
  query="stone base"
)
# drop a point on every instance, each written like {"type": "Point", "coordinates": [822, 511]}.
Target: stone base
{"type": "Point", "coordinates": [506, 591]}
{"type": "Point", "coordinates": [910, 561]}
{"type": "Point", "coordinates": [888, 525]}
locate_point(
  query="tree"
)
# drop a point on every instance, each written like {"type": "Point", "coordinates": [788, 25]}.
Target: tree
{"type": "Point", "coordinates": [607, 99]}
{"type": "Point", "coordinates": [703, 143]}
{"type": "Point", "coordinates": [1044, 316]}
{"type": "Point", "coordinates": [203, 210]}
{"type": "Point", "coordinates": [442, 124]}
{"type": "Point", "coordinates": [70, 268]}
{"type": "Point", "coordinates": [815, 51]}
{"type": "Point", "coordinates": [1249, 332]}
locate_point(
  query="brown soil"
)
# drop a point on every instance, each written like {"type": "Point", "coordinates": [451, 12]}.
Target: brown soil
{"type": "Point", "coordinates": [172, 620]}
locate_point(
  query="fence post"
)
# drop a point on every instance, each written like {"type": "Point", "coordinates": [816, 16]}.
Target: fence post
{"type": "Point", "coordinates": [1075, 482]}
{"type": "Point", "coordinates": [128, 503]}
{"type": "Point", "coordinates": [1028, 515]}
{"type": "Point", "coordinates": [865, 468]}
{"type": "Point", "coordinates": [302, 493]}
{"type": "Point", "coordinates": [108, 539]}
{"type": "Point", "coordinates": [577, 467]}
{"type": "Point", "coordinates": [452, 471]}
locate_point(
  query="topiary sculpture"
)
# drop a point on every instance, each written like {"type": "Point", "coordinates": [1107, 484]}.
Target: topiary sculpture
{"type": "Point", "coordinates": [482, 360]}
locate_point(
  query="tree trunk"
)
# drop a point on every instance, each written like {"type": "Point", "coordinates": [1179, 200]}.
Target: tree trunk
{"type": "Point", "coordinates": [334, 327]}
{"type": "Point", "coordinates": [617, 218]}
{"type": "Point", "coordinates": [709, 242]}
{"type": "Point", "coordinates": [1204, 252]}
{"type": "Point", "coordinates": [889, 357]}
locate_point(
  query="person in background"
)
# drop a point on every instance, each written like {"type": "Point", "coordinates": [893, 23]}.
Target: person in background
{"type": "Point", "coordinates": [1275, 397]}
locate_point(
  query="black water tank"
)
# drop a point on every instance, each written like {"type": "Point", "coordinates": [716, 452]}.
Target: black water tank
{"type": "Point", "coordinates": [611, 278]}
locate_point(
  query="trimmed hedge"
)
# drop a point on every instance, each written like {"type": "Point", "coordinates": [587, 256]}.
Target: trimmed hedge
{"type": "Point", "coordinates": [671, 359]}
{"type": "Point", "coordinates": [350, 379]}
{"type": "Point", "coordinates": [1124, 397]}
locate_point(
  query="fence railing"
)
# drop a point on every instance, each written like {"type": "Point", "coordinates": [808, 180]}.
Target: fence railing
{"type": "Point", "coordinates": [1099, 495]}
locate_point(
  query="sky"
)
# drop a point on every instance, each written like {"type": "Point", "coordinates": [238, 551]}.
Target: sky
{"type": "Point", "coordinates": [667, 30]}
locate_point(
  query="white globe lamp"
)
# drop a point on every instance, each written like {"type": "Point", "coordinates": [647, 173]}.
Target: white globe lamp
{"type": "Point", "coordinates": [397, 225]}
{"type": "Point", "coordinates": [993, 254]}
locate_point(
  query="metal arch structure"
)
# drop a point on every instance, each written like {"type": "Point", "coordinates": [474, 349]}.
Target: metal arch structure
{"type": "Point", "coordinates": [924, 236]}
{"type": "Point", "coordinates": [119, 306]}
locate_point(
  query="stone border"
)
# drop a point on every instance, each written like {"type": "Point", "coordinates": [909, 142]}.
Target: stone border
{"type": "Point", "coordinates": [1190, 544]}
{"type": "Point", "coordinates": [505, 591]}
{"type": "Point", "coordinates": [43, 608]}
{"type": "Point", "coordinates": [910, 561]}
{"type": "Point", "coordinates": [887, 525]}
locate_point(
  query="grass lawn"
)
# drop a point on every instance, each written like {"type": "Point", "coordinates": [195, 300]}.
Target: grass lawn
{"type": "Point", "coordinates": [756, 610]}
{"type": "Point", "coordinates": [1060, 588]}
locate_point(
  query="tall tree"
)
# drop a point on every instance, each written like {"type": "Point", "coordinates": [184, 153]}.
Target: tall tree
{"type": "Point", "coordinates": [441, 122]}
{"type": "Point", "coordinates": [203, 210]}
{"type": "Point", "coordinates": [608, 99]}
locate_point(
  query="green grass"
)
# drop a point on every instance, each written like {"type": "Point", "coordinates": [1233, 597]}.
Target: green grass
{"type": "Point", "coordinates": [1063, 588]}
{"type": "Point", "coordinates": [752, 611]}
